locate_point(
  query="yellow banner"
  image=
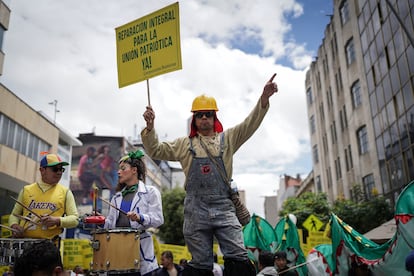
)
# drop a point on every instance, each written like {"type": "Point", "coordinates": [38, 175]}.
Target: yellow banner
{"type": "Point", "coordinates": [5, 233]}
{"type": "Point", "coordinates": [149, 46]}
{"type": "Point", "coordinates": [179, 251]}
{"type": "Point", "coordinates": [76, 252]}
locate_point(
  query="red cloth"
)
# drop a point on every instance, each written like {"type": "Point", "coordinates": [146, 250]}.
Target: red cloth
{"type": "Point", "coordinates": [218, 127]}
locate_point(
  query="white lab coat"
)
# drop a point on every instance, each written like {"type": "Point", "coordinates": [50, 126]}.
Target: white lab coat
{"type": "Point", "coordinates": [147, 202]}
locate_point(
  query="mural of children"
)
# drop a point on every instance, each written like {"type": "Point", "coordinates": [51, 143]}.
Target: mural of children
{"type": "Point", "coordinates": [86, 172]}
{"type": "Point", "coordinates": [106, 168]}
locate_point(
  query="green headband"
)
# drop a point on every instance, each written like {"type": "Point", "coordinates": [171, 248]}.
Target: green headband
{"type": "Point", "coordinates": [133, 155]}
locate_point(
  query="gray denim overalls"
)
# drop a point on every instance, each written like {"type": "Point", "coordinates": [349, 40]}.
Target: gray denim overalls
{"type": "Point", "coordinates": [208, 212]}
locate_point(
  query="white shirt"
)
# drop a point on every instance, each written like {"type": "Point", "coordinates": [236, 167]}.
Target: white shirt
{"type": "Point", "coordinates": [217, 270]}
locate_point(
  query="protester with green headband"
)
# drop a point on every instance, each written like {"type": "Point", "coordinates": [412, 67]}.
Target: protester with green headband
{"type": "Point", "coordinates": [142, 205]}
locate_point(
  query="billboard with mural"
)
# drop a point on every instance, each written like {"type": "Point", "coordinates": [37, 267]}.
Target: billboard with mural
{"type": "Point", "coordinates": [95, 165]}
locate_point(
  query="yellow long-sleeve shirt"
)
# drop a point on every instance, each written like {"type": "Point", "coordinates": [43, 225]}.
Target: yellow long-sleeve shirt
{"type": "Point", "coordinates": [70, 220]}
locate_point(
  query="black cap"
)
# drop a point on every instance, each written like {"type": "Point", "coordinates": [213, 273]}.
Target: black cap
{"type": "Point", "coordinates": [280, 255]}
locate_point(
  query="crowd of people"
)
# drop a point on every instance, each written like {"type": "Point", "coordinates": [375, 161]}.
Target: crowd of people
{"type": "Point", "coordinates": [275, 264]}
{"type": "Point", "coordinates": [44, 208]}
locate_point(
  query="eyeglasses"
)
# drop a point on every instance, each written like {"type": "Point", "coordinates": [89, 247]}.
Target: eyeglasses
{"type": "Point", "coordinates": [57, 169]}
{"type": "Point", "coordinates": [200, 115]}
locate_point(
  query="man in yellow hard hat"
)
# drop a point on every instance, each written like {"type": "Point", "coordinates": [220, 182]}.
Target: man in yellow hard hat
{"type": "Point", "coordinates": [206, 157]}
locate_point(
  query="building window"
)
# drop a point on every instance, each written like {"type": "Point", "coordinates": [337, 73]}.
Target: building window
{"type": "Point", "coordinates": [362, 140]}
{"type": "Point", "coordinates": [350, 51]}
{"type": "Point", "coordinates": [309, 96]}
{"type": "Point", "coordinates": [356, 94]}
{"type": "Point", "coordinates": [329, 175]}
{"type": "Point", "coordinates": [318, 184]}
{"type": "Point", "coordinates": [321, 112]}
{"type": "Point", "coordinates": [338, 169]}
{"type": "Point", "coordinates": [351, 164]}
{"type": "Point", "coordinates": [333, 133]}
{"type": "Point", "coordinates": [325, 143]}
{"type": "Point", "coordinates": [346, 160]}
{"type": "Point", "coordinates": [20, 139]}
{"type": "Point", "coordinates": [342, 117]}
{"type": "Point", "coordinates": [315, 154]}
{"type": "Point", "coordinates": [330, 101]}
{"type": "Point", "coordinates": [344, 12]}
{"type": "Point", "coordinates": [369, 185]}
{"type": "Point", "coordinates": [1, 37]}
{"type": "Point", "coordinates": [333, 50]}
{"type": "Point", "coordinates": [345, 117]}
{"type": "Point", "coordinates": [312, 124]}
{"type": "Point", "coordinates": [338, 82]}
{"type": "Point", "coordinates": [327, 97]}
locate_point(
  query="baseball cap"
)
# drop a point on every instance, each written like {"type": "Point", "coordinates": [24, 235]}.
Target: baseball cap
{"type": "Point", "coordinates": [50, 160]}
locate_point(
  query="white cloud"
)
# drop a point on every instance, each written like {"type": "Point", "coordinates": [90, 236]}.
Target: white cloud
{"type": "Point", "coordinates": [65, 50]}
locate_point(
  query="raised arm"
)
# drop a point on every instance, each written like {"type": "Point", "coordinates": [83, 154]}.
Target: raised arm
{"type": "Point", "coordinates": [269, 89]}
{"type": "Point", "coordinates": [149, 117]}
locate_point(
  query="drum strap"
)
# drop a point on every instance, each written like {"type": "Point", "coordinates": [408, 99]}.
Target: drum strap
{"type": "Point", "coordinates": [56, 240]}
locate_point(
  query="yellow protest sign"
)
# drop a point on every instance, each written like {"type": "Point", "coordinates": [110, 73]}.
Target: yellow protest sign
{"type": "Point", "coordinates": [76, 252]}
{"type": "Point", "coordinates": [149, 46]}
{"type": "Point", "coordinates": [312, 223]}
{"type": "Point", "coordinates": [317, 238]}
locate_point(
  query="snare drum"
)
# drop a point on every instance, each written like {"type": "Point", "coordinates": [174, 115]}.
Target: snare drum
{"type": "Point", "coordinates": [10, 249]}
{"type": "Point", "coordinates": [116, 250]}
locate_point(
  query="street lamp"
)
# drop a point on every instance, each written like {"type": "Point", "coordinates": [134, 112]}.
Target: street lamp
{"type": "Point", "coordinates": [54, 103]}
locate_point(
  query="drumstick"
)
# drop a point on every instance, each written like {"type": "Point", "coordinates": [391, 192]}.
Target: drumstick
{"type": "Point", "coordinates": [9, 228]}
{"type": "Point", "coordinates": [57, 209]}
{"type": "Point", "coordinates": [27, 219]}
{"type": "Point", "coordinates": [25, 207]}
{"type": "Point", "coordinates": [113, 206]}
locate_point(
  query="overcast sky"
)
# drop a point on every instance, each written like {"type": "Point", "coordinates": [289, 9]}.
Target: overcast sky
{"type": "Point", "coordinates": [66, 51]}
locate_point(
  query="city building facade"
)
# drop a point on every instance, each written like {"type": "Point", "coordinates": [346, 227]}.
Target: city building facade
{"type": "Point", "coordinates": [24, 135]}
{"type": "Point", "coordinates": [270, 210]}
{"type": "Point", "coordinates": [288, 187]}
{"type": "Point", "coordinates": [360, 100]}
{"type": "Point", "coordinates": [4, 25]}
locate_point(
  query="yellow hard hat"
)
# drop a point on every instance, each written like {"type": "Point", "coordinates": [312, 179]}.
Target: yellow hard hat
{"type": "Point", "coordinates": [204, 102]}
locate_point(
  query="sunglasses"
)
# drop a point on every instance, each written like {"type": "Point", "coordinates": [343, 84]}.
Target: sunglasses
{"type": "Point", "coordinates": [56, 169]}
{"type": "Point", "coordinates": [200, 115]}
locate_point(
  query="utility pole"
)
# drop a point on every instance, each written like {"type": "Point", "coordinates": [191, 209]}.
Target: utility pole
{"type": "Point", "coordinates": [54, 103]}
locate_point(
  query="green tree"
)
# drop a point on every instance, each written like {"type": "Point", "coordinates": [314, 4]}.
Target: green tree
{"type": "Point", "coordinates": [360, 213]}
{"type": "Point", "coordinates": [305, 205]}
{"type": "Point", "coordinates": [173, 209]}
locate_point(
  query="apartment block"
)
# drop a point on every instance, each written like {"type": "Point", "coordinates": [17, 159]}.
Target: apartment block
{"type": "Point", "coordinates": [360, 100]}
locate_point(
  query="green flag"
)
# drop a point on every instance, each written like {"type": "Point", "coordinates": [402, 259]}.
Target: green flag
{"type": "Point", "coordinates": [287, 239]}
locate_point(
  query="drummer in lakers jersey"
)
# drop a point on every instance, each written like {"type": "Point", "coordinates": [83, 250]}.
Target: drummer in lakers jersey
{"type": "Point", "coordinates": [44, 208]}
